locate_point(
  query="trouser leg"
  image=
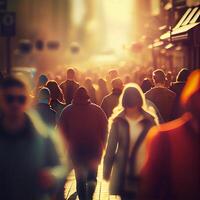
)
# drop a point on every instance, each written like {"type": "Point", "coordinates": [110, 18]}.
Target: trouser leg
{"type": "Point", "coordinates": [81, 179]}
{"type": "Point", "coordinates": [91, 182]}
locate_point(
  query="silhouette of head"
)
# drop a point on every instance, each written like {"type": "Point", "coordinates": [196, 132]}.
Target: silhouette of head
{"type": "Point", "coordinates": [183, 75]}
{"type": "Point", "coordinates": [146, 85]}
{"type": "Point", "coordinates": [70, 74]}
{"type": "Point", "coordinates": [44, 95]}
{"type": "Point", "coordinates": [132, 96]}
{"type": "Point", "coordinates": [117, 84]}
{"type": "Point", "coordinates": [88, 82]}
{"type": "Point", "coordinates": [42, 80]}
{"type": "Point", "coordinates": [159, 77]}
{"type": "Point", "coordinates": [81, 96]}
{"type": "Point", "coordinates": [55, 90]}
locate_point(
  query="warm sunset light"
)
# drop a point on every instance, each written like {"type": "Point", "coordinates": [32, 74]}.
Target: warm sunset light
{"type": "Point", "coordinates": [99, 99]}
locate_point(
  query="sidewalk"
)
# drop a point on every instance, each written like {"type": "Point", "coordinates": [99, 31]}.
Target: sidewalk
{"type": "Point", "coordinates": [101, 192]}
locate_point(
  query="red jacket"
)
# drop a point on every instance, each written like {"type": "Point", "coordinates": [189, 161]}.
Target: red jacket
{"type": "Point", "coordinates": [172, 169]}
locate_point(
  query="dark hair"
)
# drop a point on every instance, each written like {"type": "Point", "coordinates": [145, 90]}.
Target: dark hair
{"type": "Point", "coordinates": [43, 79]}
{"type": "Point", "coordinates": [70, 73]}
{"type": "Point", "coordinates": [183, 75]}
{"type": "Point", "coordinates": [44, 93]}
{"type": "Point", "coordinates": [159, 76]}
{"type": "Point", "coordinates": [10, 81]}
{"type": "Point", "coordinates": [55, 90]}
{"type": "Point", "coordinates": [146, 85]}
{"type": "Point", "coordinates": [81, 96]}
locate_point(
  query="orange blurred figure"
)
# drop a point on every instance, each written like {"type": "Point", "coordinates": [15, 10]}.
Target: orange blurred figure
{"type": "Point", "coordinates": [172, 168]}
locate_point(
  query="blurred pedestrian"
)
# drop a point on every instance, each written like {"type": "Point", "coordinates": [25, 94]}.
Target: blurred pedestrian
{"type": "Point", "coordinates": [169, 78]}
{"type": "Point", "coordinates": [84, 127]}
{"type": "Point", "coordinates": [47, 114]}
{"type": "Point", "coordinates": [177, 87]}
{"type": "Point", "coordinates": [69, 86]}
{"type": "Point", "coordinates": [172, 167]}
{"type": "Point", "coordinates": [111, 100]}
{"type": "Point", "coordinates": [124, 154]}
{"type": "Point", "coordinates": [102, 90]}
{"type": "Point", "coordinates": [91, 90]}
{"type": "Point", "coordinates": [146, 85]}
{"type": "Point", "coordinates": [42, 81]}
{"type": "Point", "coordinates": [57, 99]}
{"type": "Point", "coordinates": [161, 96]}
{"type": "Point", "coordinates": [30, 167]}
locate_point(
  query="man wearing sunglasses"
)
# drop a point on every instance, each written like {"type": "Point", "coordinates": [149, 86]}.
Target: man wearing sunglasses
{"type": "Point", "coordinates": [30, 168]}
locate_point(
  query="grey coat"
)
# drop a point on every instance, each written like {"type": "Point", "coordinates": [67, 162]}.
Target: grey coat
{"type": "Point", "coordinates": [116, 158]}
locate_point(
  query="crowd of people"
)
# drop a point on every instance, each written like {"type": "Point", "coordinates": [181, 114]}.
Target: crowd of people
{"type": "Point", "coordinates": [145, 127]}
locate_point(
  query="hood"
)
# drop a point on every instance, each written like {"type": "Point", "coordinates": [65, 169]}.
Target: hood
{"type": "Point", "coordinates": [81, 97]}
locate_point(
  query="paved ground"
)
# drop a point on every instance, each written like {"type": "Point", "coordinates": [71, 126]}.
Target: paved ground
{"type": "Point", "coordinates": [101, 192]}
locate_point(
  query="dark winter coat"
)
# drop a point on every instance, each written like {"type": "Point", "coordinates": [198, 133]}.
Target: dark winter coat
{"type": "Point", "coordinates": [84, 126]}
{"type": "Point", "coordinates": [47, 114]}
{"type": "Point", "coordinates": [164, 100]}
{"type": "Point", "coordinates": [110, 102]}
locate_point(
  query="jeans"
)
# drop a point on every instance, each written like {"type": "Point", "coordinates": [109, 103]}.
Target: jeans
{"type": "Point", "coordinates": [86, 181]}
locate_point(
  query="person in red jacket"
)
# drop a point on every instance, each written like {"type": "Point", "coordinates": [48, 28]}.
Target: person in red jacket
{"type": "Point", "coordinates": [172, 168]}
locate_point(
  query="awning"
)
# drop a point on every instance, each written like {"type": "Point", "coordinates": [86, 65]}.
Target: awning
{"type": "Point", "coordinates": [189, 20]}
{"type": "Point", "coordinates": [156, 43]}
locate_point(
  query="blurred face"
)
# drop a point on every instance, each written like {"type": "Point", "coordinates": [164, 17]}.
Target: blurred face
{"type": "Point", "coordinates": [13, 101]}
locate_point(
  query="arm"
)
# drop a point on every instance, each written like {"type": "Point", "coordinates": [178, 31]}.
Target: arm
{"type": "Point", "coordinates": [104, 106]}
{"type": "Point", "coordinates": [103, 121]}
{"type": "Point", "coordinates": [54, 162]}
{"type": "Point", "coordinates": [110, 151]}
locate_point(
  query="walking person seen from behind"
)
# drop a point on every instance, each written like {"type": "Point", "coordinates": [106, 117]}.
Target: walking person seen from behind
{"type": "Point", "coordinates": [84, 127]}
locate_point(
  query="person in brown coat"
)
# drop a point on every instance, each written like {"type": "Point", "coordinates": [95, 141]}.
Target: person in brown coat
{"type": "Point", "coordinates": [84, 126]}
{"type": "Point", "coordinates": [172, 168]}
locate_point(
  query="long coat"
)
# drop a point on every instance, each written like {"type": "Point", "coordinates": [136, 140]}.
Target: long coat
{"type": "Point", "coordinates": [116, 159]}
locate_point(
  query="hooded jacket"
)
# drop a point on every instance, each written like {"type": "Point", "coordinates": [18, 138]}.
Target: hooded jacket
{"type": "Point", "coordinates": [84, 126]}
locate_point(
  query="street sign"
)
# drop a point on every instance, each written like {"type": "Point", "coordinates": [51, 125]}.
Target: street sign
{"type": "Point", "coordinates": [7, 24]}
{"type": "Point", "coordinates": [3, 4]}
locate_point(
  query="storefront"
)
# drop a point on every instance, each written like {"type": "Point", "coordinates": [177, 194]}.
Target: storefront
{"type": "Point", "coordinates": [186, 36]}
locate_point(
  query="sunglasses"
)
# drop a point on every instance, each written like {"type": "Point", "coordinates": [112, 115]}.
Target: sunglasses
{"type": "Point", "coordinates": [20, 99]}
